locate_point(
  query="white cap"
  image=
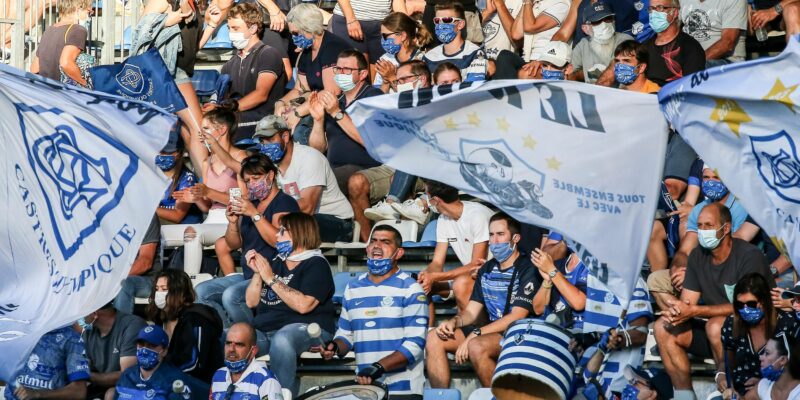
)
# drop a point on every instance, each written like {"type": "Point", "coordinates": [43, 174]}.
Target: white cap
{"type": "Point", "coordinates": [557, 53]}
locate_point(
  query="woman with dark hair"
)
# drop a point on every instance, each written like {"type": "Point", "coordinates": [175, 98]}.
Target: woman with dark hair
{"type": "Point", "coordinates": [290, 291]}
{"type": "Point", "coordinates": [745, 333]}
{"type": "Point", "coordinates": [402, 39]}
{"type": "Point", "coordinates": [170, 210]}
{"type": "Point", "coordinates": [780, 370]}
{"type": "Point", "coordinates": [446, 73]}
{"type": "Point", "coordinates": [194, 329]}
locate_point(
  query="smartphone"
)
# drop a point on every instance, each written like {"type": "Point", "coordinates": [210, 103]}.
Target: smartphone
{"type": "Point", "coordinates": [234, 193]}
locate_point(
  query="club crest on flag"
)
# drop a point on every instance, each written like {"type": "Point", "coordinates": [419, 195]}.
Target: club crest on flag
{"type": "Point", "coordinates": [488, 166]}
{"type": "Point", "coordinates": [131, 79]}
{"type": "Point", "coordinates": [778, 164]}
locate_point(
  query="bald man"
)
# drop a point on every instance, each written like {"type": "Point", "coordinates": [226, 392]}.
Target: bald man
{"type": "Point", "coordinates": [242, 374]}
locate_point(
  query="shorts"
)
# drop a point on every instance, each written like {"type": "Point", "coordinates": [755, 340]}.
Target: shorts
{"type": "Point", "coordinates": [699, 347]}
{"type": "Point", "coordinates": [371, 43]}
{"type": "Point", "coordinates": [660, 282]}
{"type": "Point", "coordinates": [679, 158]}
{"type": "Point", "coordinates": [380, 178]}
{"type": "Point", "coordinates": [181, 76]}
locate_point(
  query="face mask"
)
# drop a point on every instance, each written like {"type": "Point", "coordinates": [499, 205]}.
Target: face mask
{"type": "Point", "coordinates": [379, 266]}
{"type": "Point", "coordinates": [165, 163]}
{"type": "Point", "coordinates": [751, 316]}
{"type": "Point", "coordinates": [501, 251]}
{"type": "Point", "coordinates": [284, 248]}
{"type": "Point", "coordinates": [552, 75]}
{"type": "Point", "coordinates": [431, 207]}
{"type": "Point", "coordinates": [238, 366]}
{"type": "Point", "coordinates": [345, 82]}
{"type": "Point", "coordinates": [659, 21]}
{"type": "Point", "coordinates": [148, 358]}
{"type": "Point", "coordinates": [85, 326]}
{"type": "Point", "coordinates": [259, 190]}
{"type": "Point", "coordinates": [160, 299]}
{"type": "Point", "coordinates": [625, 74]}
{"type": "Point", "coordinates": [446, 33]}
{"type": "Point", "coordinates": [771, 373]}
{"type": "Point", "coordinates": [708, 238]}
{"type": "Point", "coordinates": [603, 31]}
{"type": "Point", "coordinates": [389, 46]}
{"type": "Point", "coordinates": [405, 87]}
{"type": "Point", "coordinates": [714, 190]}
{"type": "Point", "coordinates": [630, 392]}
{"type": "Point", "coordinates": [272, 150]}
{"type": "Point", "coordinates": [238, 40]}
{"type": "Point", "coordinates": [302, 42]}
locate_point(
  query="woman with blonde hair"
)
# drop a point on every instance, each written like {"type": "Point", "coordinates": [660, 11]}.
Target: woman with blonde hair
{"type": "Point", "coordinates": [59, 52]}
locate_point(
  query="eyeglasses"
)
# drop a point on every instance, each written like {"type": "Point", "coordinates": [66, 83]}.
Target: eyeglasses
{"type": "Point", "coordinates": [446, 20]}
{"type": "Point", "coordinates": [405, 79]}
{"type": "Point", "coordinates": [388, 35]}
{"type": "Point", "coordinates": [609, 18]}
{"type": "Point", "coordinates": [740, 305]}
{"type": "Point", "coordinates": [660, 8]}
{"type": "Point", "coordinates": [345, 70]}
{"type": "Point", "coordinates": [229, 392]}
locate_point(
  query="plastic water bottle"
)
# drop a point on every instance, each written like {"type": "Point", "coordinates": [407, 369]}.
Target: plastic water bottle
{"type": "Point", "coordinates": [178, 387]}
{"type": "Point", "coordinates": [761, 34]}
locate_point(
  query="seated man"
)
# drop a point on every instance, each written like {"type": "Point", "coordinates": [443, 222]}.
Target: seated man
{"type": "Point", "coordinates": [305, 174]}
{"type": "Point", "coordinates": [242, 374]}
{"type": "Point", "coordinates": [563, 291]}
{"type": "Point", "coordinates": [710, 275]}
{"type": "Point", "coordinates": [630, 68]}
{"type": "Point", "coordinates": [504, 289]}
{"type": "Point", "coordinates": [384, 319]}
{"type": "Point", "coordinates": [554, 63]}
{"type": "Point", "coordinates": [463, 225]}
{"type": "Point", "coordinates": [146, 266]}
{"type": "Point", "coordinates": [56, 369]}
{"type": "Point", "coordinates": [450, 20]}
{"type": "Point", "coordinates": [720, 28]}
{"type": "Point", "coordinates": [110, 339]}
{"type": "Point", "coordinates": [595, 52]}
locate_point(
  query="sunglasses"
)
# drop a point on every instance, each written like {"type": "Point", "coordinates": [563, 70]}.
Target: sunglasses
{"type": "Point", "coordinates": [388, 35]}
{"type": "Point", "coordinates": [740, 305]}
{"type": "Point", "coordinates": [446, 20]}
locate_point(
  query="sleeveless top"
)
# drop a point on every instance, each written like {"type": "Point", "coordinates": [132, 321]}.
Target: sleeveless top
{"type": "Point", "coordinates": [220, 182]}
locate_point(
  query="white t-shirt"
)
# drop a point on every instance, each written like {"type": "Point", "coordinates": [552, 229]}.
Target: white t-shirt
{"type": "Point", "coordinates": [706, 19]}
{"type": "Point", "coordinates": [495, 39]}
{"type": "Point", "coordinates": [310, 168]}
{"type": "Point", "coordinates": [765, 390]}
{"type": "Point", "coordinates": [462, 234]}
{"type": "Point", "coordinates": [535, 43]}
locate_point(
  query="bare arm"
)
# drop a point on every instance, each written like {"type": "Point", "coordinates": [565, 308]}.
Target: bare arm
{"type": "Point", "coordinates": [746, 232]}
{"type": "Point", "coordinates": [176, 214]}
{"type": "Point", "coordinates": [309, 199]}
{"type": "Point", "coordinates": [144, 260]}
{"type": "Point", "coordinates": [479, 252]}
{"type": "Point", "coordinates": [399, 6]}
{"type": "Point", "coordinates": [110, 379]}
{"type": "Point", "coordinates": [232, 236]}
{"type": "Point", "coordinates": [574, 296]}
{"type": "Point", "coordinates": [68, 63]}
{"type": "Point", "coordinates": [253, 294]}
{"type": "Point", "coordinates": [500, 325]}
{"type": "Point", "coordinates": [567, 30]}
{"type": "Point", "coordinates": [469, 315]}
{"type": "Point", "coordinates": [35, 65]}
{"type": "Point", "coordinates": [725, 44]}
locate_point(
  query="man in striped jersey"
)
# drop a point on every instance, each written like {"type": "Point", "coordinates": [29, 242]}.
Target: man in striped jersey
{"type": "Point", "coordinates": [384, 320]}
{"type": "Point", "coordinates": [243, 377]}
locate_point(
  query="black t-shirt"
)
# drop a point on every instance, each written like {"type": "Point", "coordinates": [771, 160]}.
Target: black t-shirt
{"type": "Point", "coordinates": [311, 277]}
{"type": "Point", "coordinates": [190, 40]}
{"type": "Point", "coordinates": [342, 149]}
{"type": "Point", "coordinates": [251, 239]}
{"type": "Point", "coordinates": [104, 352]}
{"type": "Point", "coordinates": [499, 290]}
{"type": "Point", "coordinates": [195, 346]}
{"type": "Point", "coordinates": [716, 282]}
{"type": "Point", "coordinates": [276, 41]}
{"type": "Point", "coordinates": [328, 53]}
{"type": "Point", "coordinates": [153, 235]}
{"type": "Point", "coordinates": [680, 57]}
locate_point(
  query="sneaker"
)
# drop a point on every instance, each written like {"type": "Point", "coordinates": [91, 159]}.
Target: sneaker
{"type": "Point", "coordinates": [381, 211]}
{"type": "Point", "coordinates": [413, 210]}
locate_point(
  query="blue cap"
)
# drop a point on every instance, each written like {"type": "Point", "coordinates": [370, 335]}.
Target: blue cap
{"type": "Point", "coordinates": [793, 292]}
{"type": "Point", "coordinates": [598, 11]}
{"type": "Point", "coordinates": [658, 380]}
{"type": "Point", "coordinates": [153, 334]}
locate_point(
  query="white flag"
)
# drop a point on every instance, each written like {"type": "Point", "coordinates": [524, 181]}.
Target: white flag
{"type": "Point", "coordinates": [79, 187]}
{"type": "Point", "coordinates": [742, 119]}
{"type": "Point", "coordinates": [583, 160]}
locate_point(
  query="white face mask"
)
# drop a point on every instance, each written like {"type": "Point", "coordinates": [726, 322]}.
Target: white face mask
{"type": "Point", "coordinates": [238, 40]}
{"type": "Point", "coordinates": [404, 87]}
{"type": "Point", "coordinates": [603, 32]}
{"type": "Point", "coordinates": [160, 299]}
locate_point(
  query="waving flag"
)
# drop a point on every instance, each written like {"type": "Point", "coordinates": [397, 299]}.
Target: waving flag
{"type": "Point", "coordinates": [79, 186]}
{"type": "Point", "coordinates": [554, 154]}
{"type": "Point", "coordinates": [749, 132]}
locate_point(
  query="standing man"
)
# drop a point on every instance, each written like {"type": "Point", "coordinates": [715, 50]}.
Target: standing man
{"type": "Point", "coordinates": [242, 374]}
{"type": "Point", "coordinates": [384, 319]}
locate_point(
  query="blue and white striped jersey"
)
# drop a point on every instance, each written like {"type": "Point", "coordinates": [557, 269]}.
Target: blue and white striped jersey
{"type": "Point", "coordinates": [257, 382]}
{"type": "Point", "coordinates": [471, 60]}
{"type": "Point", "coordinates": [379, 319]}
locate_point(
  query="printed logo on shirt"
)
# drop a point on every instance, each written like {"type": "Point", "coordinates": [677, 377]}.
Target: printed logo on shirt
{"type": "Point", "coordinates": [697, 24]}
{"type": "Point", "coordinates": [452, 240]}
{"type": "Point", "coordinates": [528, 288]}
{"type": "Point", "coordinates": [609, 298]}
{"type": "Point", "coordinates": [371, 313]}
{"type": "Point", "coordinates": [422, 298]}
{"type": "Point", "coordinates": [387, 301]}
{"type": "Point", "coordinates": [33, 362]}
{"type": "Point", "coordinates": [150, 394]}
{"type": "Point", "coordinates": [292, 190]}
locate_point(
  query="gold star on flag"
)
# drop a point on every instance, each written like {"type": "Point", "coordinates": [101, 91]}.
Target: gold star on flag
{"type": "Point", "coordinates": [553, 163]}
{"type": "Point", "coordinates": [781, 93]}
{"type": "Point", "coordinates": [502, 124]}
{"type": "Point", "coordinates": [731, 113]}
{"type": "Point", "coordinates": [449, 123]}
{"type": "Point", "coordinates": [529, 142]}
{"type": "Point", "coordinates": [472, 119]}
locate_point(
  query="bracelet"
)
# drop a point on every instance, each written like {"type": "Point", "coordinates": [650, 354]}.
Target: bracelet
{"type": "Point", "coordinates": [276, 14]}
{"type": "Point", "coordinates": [352, 22]}
{"type": "Point", "coordinates": [211, 26]}
{"type": "Point", "coordinates": [273, 281]}
{"type": "Point", "coordinates": [547, 284]}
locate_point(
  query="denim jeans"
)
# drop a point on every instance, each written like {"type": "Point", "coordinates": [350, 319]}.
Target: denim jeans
{"type": "Point", "coordinates": [132, 287]}
{"type": "Point", "coordinates": [227, 296]}
{"type": "Point", "coordinates": [333, 229]}
{"type": "Point", "coordinates": [402, 185]}
{"type": "Point", "coordinates": [284, 347]}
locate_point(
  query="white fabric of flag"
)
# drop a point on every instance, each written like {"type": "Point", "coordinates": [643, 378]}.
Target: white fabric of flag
{"type": "Point", "coordinates": [79, 187]}
{"type": "Point", "coordinates": [742, 119]}
{"type": "Point", "coordinates": [582, 160]}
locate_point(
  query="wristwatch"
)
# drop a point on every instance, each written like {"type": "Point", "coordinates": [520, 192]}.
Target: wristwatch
{"type": "Point", "coordinates": [552, 274]}
{"type": "Point", "coordinates": [477, 331]}
{"type": "Point", "coordinates": [778, 8]}
{"type": "Point", "coordinates": [774, 270]}
{"type": "Point", "coordinates": [256, 218]}
{"type": "Point", "coordinates": [338, 116]}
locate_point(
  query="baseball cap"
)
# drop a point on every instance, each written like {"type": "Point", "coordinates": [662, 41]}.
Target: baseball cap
{"type": "Point", "coordinates": [656, 379]}
{"type": "Point", "coordinates": [172, 142]}
{"type": "Point", "coordinates": [598, 11]}
{"type": "Point", "coordinates": [153, 334]}
{"type": "Point", "coordinates": [556, 53]}
{"type": "Point", "coordinates": [270, 125]}
{"type": "Point", "coordinates": [793, 292]}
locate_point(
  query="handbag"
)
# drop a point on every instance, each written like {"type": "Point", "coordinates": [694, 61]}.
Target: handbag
{"type": "Point", "coordinates": [84, 62]}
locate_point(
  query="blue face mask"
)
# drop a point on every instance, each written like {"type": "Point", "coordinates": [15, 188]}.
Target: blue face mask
{"type": "Point", "coordinates": [238, 366]}
{"type": "Point", "coordinates": [501, 251]}
{"type": "Point", "coordinates": [446, 33]}
{"type": "Point", "coordinates": [148, 358]}
{"type": "Point", "coordinates": [272, 150]}
{"type": "Point", "coordinates": [552, 75]}
{"type": "Point", "coordinates": [165, 163]}
{"type": "Point", "coordinates": [751, 316]}
{"type": "Point", "coordinates": [659, 21]}
{"type": "Point", "coordinates": [771, 373]}
{"type": "Point", "coordinates": [714, 190]}
{"type": "Point", "coordinates": [85, 326]}
{"type": "Point", "coordinates": [630, 392]}
{"type": "Point", "coordinates": [302, 42]}
{"type": "Point", "coordinates": [379, 266]}
{"type": "Point", "coordinates": [625, 74]}
{"type": "Point", "coordinates": [389, 46]}
{"type": "Point", "coordinates": [284, 248]}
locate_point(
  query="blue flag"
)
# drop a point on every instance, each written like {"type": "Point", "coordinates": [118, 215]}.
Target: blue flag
{"type": "Point", "coordinates": [79, 187]}
{"type": "Point", "coordinates": [742, 119]}
{"type": "Point", "coordinates": [144, 77]}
